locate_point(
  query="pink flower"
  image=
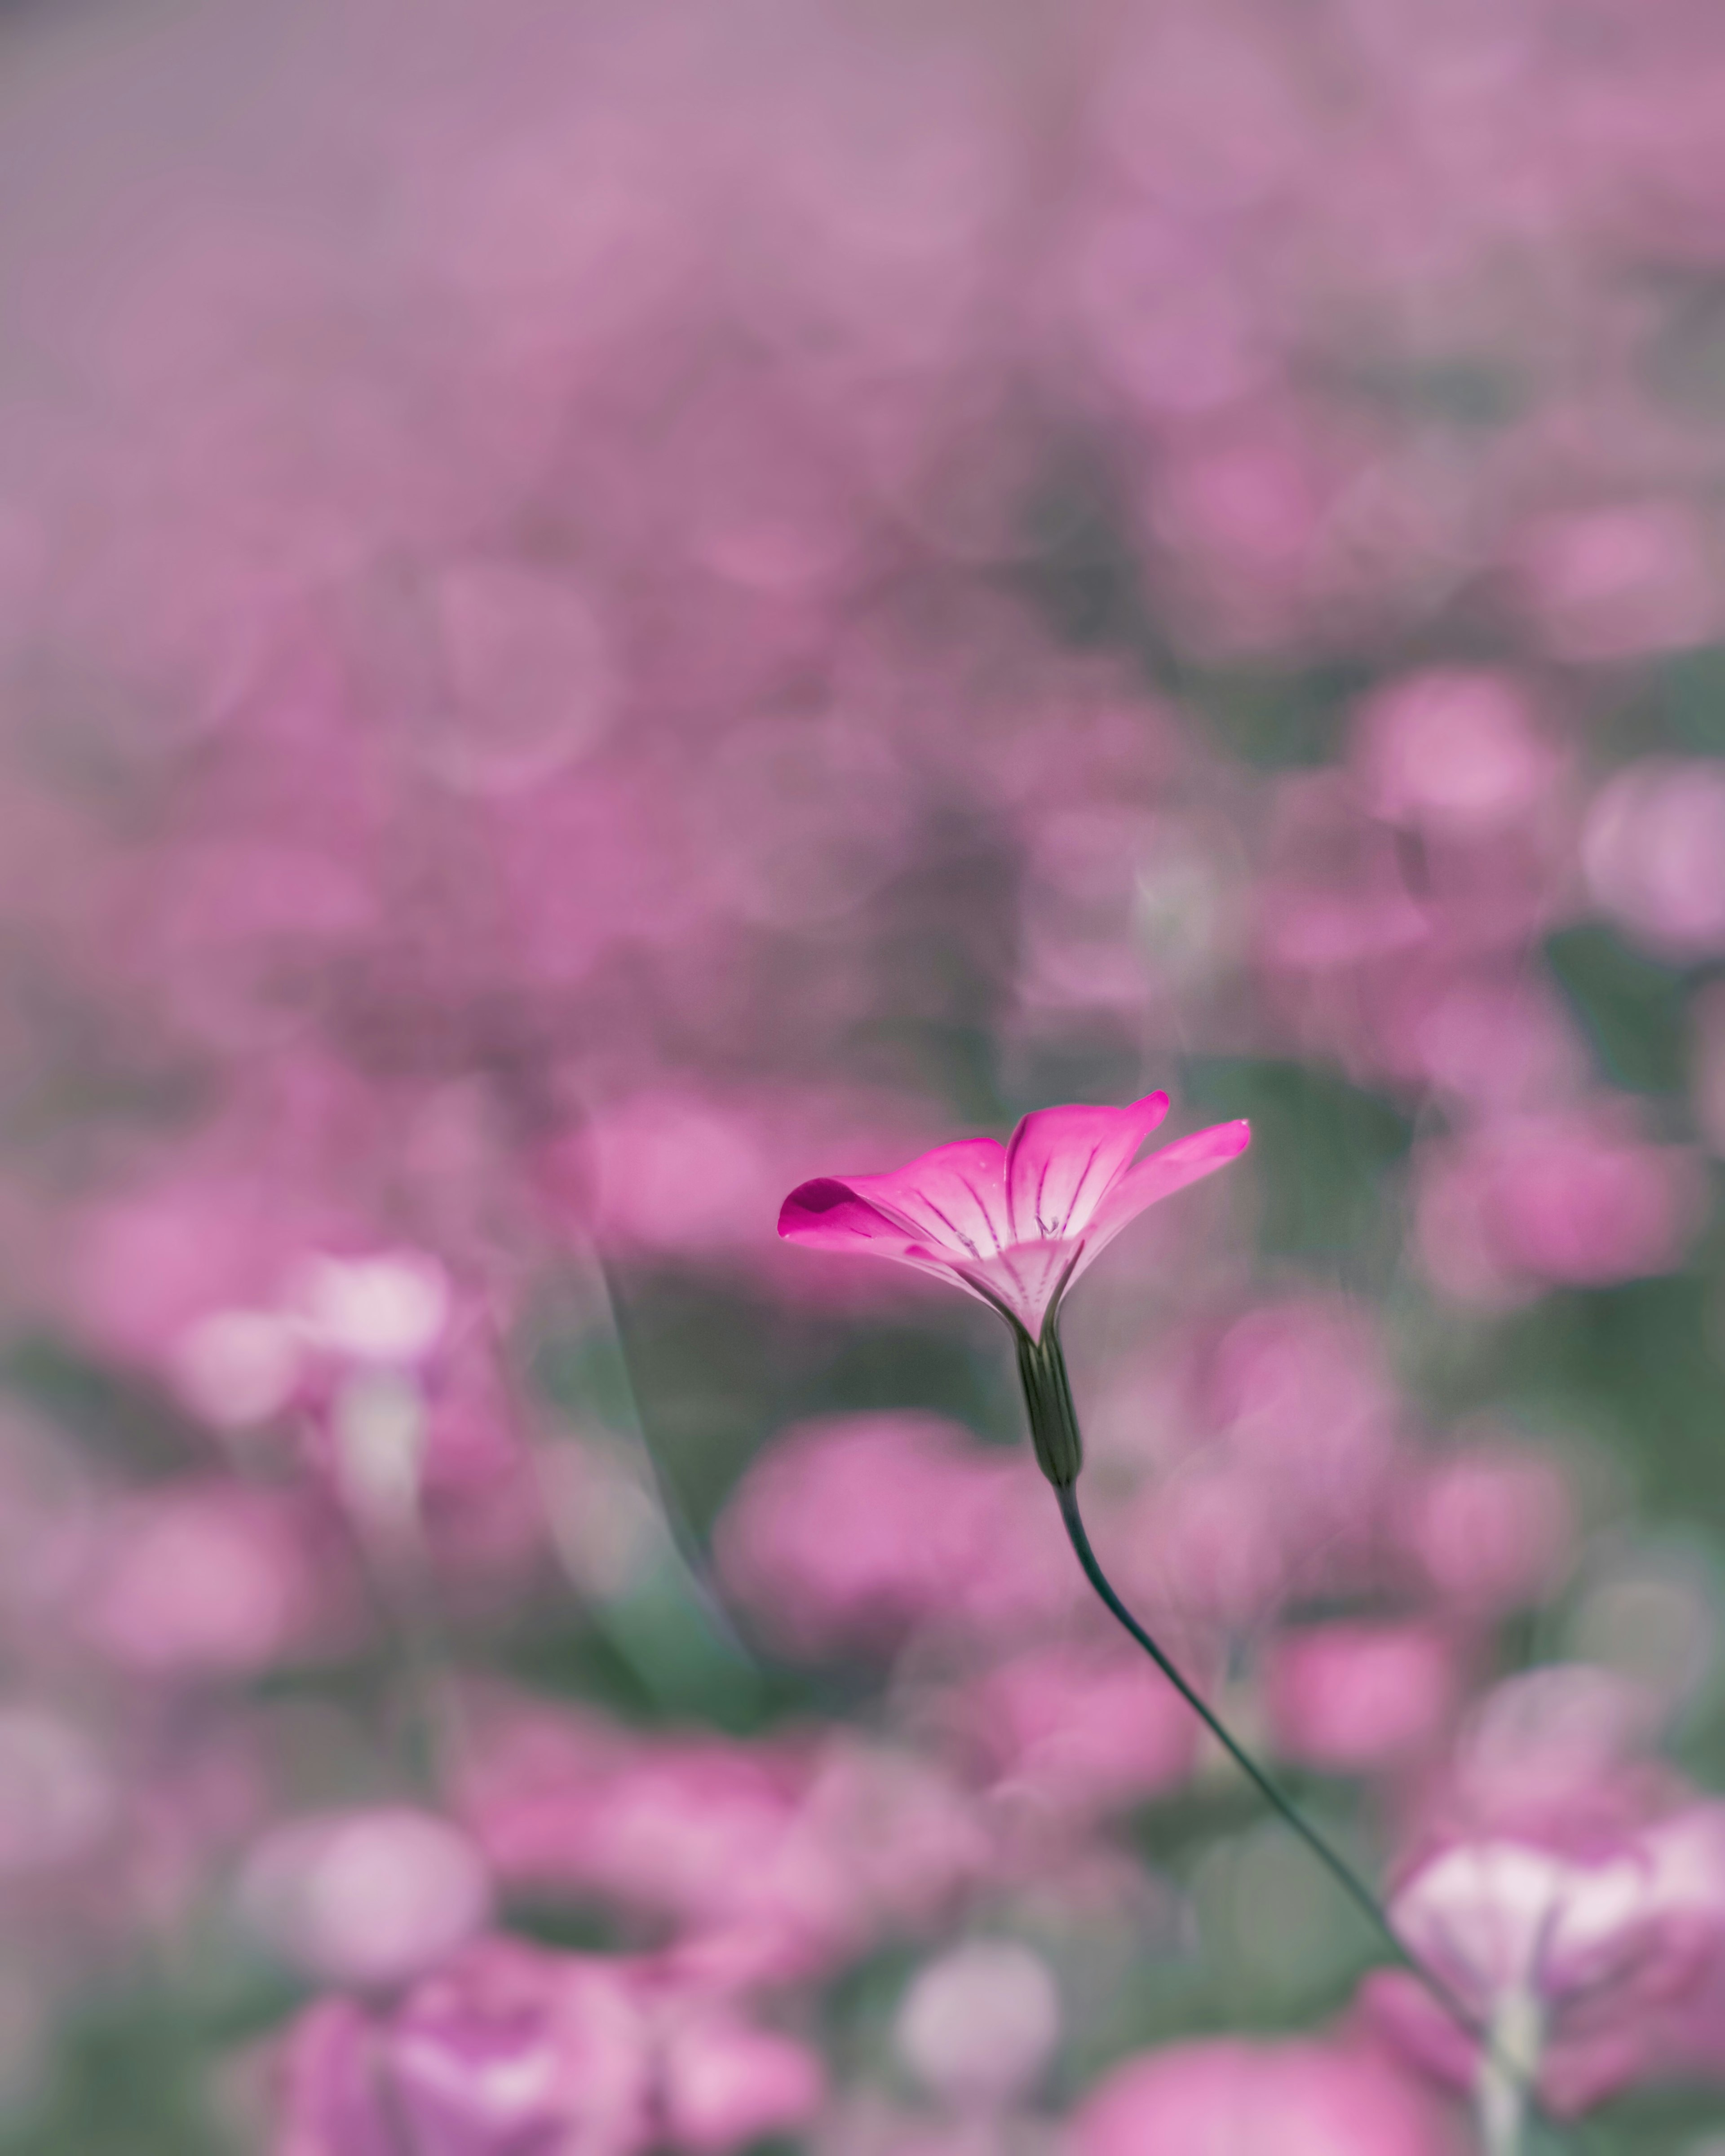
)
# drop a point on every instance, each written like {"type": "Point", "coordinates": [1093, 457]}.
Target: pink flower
{"type": "Point", "coordinates": [978, 2026]}
{"type": "Point", "coordinates": [366, 1897]}
{"type": "Point", "coordinates": [1238, 2099]}
{"type": "Point", "coordinates": [1082, 1730]}
{"type": "Point", "coordinates": [939, 1529]}
{"type": "Point", "coordinates": [764, 1860]}
{"type": "Point", "coordinates": [1353, 1697]}
{"type": "Point", "coordinates": [726, 2084]}
{"type": "Point", "coordinates": [1570, 1958]}
{"type": "Point", "coordinates": [205, 1578]}
{"type": "Point", "coordinates": [1653, 851]}
{"type": "Point", "coordinates": [1456, 753]}
{"type": "Point", "coordinates": [1618, 580]}
{"type": "Point", "coordinates": [507, 2048]}
{"type": "Point", "coordinates": [1014, 1224]}
{"type": "Point", "coordinates": [1577, 1199]}
{"type": "Point", "coordinates": [1492, 1524]}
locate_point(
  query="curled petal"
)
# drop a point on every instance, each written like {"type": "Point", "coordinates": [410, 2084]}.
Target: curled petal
{"type": "Point", "coordinates": [829, 1215]}
{"type": "Point", "coordinates": [951, 1200]}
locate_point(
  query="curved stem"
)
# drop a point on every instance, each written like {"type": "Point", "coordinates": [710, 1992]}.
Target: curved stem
{"type": "Point", "coordinates": [1336, 1865]}
{"type": "Point", "coordinates": [1508, 2070]}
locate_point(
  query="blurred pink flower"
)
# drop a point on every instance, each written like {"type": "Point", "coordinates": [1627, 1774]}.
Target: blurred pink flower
{"type": "Point", "coordinates": [1300, 1446]}
{"type": "Point", "coordinates": [1654, 854]}
{"type": "Point", "coordinates": [60, 1799]}
{"type": "Point", "coordinates": [1491, 1042]}
{"type": "Point", "coordinates": [1230, 2098]}
{"type": "Point", "coordinates": [1300, 1385]}
{"type": "Point", "coordinates": [506, 2049]}
{"type": "Point", "coordinates": [936, 1528]}
{"type": "Point", "coordinates": [1619, 580]}
{"type": "Point", "coordinates": [725, 2083]}
{"type": "Point", "coordinates": [366, 1898]}
{"type": "Point", "coordinates": [1492, 1524]}
{"type": "Point", "coordinates": [979, 2026]}
{"type": "Point", "coordinates": [763, 1860]}
{"type": "Point", "coordinates": [1015, 1224]}
{"type": "Point", "coordinates": [207, 1579]}
{"type": "Point", "coordinates": [1215, 1542]}
{"type": "Point", "coordinates": [385, 1309]}
{"type": "Point", "coordinates": [695, 1172]}
{"type": "Point", "coordinates": [1683, 2036]}
{"type": "Point", "coordinates": [150, 1268]}
{"type": "Point", "coordinates": [1560, 1754]}
{"type": "Point", "coordinates": [1354, 1698]}
{"type": "Point", "coordinates": [1578, 1200]}
{"type": "Point", "coordinates": [1571, 1956]}
{"type": "Point", "coordinates": [1457, 754]}
{"type": "Point", "coordinates": [1080, 1729]}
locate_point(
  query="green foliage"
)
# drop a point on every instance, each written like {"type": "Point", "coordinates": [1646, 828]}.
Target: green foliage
{"type": "Point", "coordinates": [1689, 690]}
{"type": "Point", "coordinates": [1630, 1008]}
{"type": "Point", "coordinates": [1276, 720]}
{"type": "Point", "coordinates": [130, 2079]}
{"type": "Point", "coordinates": [129, 1423]}
{"type": "Point", "coordinates": [1323, 1154]}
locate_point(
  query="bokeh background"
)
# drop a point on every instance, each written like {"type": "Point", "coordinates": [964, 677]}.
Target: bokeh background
{"type": "Point", "coordinates": [604, 608]}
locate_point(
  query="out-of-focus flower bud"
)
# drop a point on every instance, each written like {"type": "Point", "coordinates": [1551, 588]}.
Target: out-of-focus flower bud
{"type": "Point", "coordinates": [366, 1898]}
{"type": "Point", "coordinates": [1654, 854]}
{"type": "Point", "coordinates": [979, 2026]}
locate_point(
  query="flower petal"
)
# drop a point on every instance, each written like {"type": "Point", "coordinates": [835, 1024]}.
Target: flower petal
{"type": "Point", "coordinates": [1062, 1162]}
{"type": "Point", "coordinates": [952, 1199]}
{"type": "Point", "coordinates": [1187, 1160]}
{"type": "Point", "coordinates": [1023, 1278]}
{"type": "Point", "coordinates": [828, 1214]}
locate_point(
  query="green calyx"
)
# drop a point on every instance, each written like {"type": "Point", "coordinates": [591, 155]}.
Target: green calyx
{"type": "Point", "coordinates": [1048, 1402]}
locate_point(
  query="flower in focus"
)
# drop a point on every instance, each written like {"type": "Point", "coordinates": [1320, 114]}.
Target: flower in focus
{"type": "Point", "coordinates": [1013, 1224]}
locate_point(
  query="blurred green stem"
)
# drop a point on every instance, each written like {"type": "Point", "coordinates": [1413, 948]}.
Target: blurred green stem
{"type": "Point", "coordinates": [1506, 2073]}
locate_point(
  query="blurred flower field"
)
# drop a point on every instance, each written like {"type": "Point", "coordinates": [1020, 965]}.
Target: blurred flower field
{"type": "Point", "coordinates": [605, 613]}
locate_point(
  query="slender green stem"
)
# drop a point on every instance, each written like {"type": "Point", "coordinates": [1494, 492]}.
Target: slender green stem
{"type": "Point", "coordinates": [1336, 1865]}
{"type": "Point", "coordinates": [1507, 2068]}
{"type": "Point", "coordinates": [1060, 1454]}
